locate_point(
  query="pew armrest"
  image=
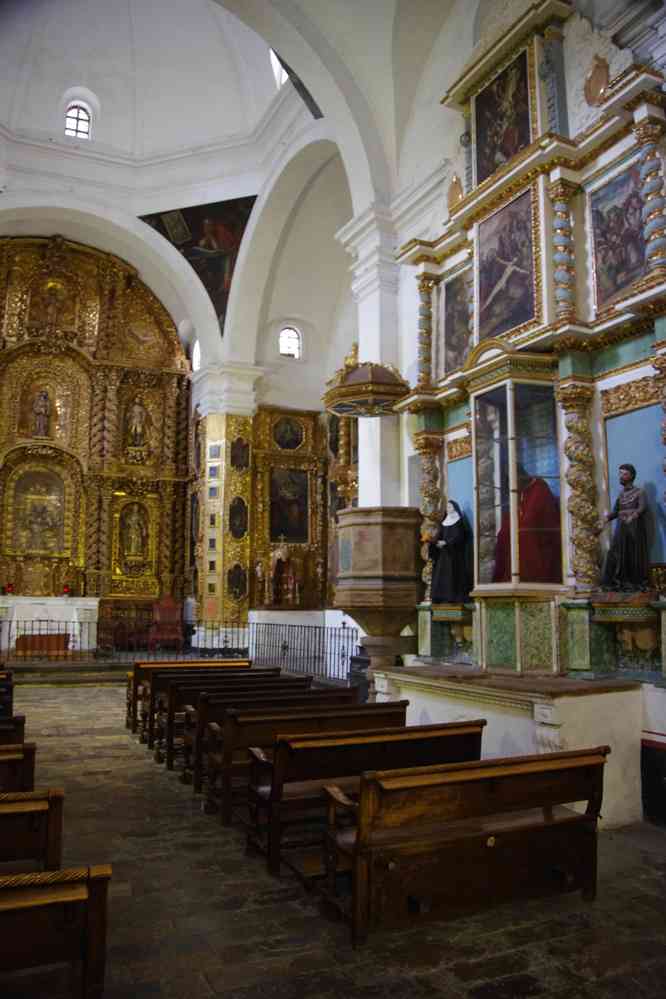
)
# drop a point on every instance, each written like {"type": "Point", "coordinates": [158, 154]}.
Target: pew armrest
{"type": "Point", "coordinates": [258, 755]}
{"type": "Point", "coordinates": [214, 737]}
{"type": "Point", "coordinates": [337, 798]}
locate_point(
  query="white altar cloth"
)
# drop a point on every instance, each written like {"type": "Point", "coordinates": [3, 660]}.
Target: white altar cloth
{"type": "Point", "coordinates": [75, 616]}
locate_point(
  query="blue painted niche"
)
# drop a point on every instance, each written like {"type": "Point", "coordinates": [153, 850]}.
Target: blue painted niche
{"type": "Point", "coordinates": [636, 438]}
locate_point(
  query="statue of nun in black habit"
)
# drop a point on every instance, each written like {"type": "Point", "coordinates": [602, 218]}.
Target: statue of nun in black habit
{"type": "Point", "coordinates": [451, 576]}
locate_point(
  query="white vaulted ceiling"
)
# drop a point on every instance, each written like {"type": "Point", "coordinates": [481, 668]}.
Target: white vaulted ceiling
{"type": "Point", "coordinates": [169, 76]}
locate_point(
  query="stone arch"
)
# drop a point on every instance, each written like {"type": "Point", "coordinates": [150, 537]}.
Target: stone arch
{"type": "Point", "coordinates": [292, 173]}
{"type": "Point", "coordinates": [161, 267]}
{"type": "Point", "coordinates": [288, 30]}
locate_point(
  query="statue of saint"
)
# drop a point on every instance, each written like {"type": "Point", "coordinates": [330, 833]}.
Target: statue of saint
{"type": "Point", "coordinates": [626, 566]}
{"type": "Point", "coordinates": [41, 413]}
{"type": "Point", "coordinates": [137, 420]}
{"type": "Point", "coordinates": [449, 551]}
{"type": "Point", "coordinates": [133, 532]}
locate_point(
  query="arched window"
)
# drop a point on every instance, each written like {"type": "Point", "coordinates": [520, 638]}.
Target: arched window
{"type": "Point", "coordinates": [78, 120]}
{"type": "Point", "coordinates": [196, 356]}
{"type": "Point", "coordinates": [279, 72]}
{"type": "Point", "coordinates": [290, 342]}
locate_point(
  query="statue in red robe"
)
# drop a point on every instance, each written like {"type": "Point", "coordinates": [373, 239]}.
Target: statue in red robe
{"type": "Point", "coordinates": [539, 547]}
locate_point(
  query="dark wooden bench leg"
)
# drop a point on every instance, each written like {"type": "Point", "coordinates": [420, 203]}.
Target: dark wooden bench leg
{"type": "Point", "coordinates": [94, 962]}
{"type": "Point", "coordinates": [274, 831]}
{"type": "Point", "coordinates": [360, 902]}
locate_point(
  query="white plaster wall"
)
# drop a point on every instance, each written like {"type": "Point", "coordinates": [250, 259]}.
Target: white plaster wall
{"type": "Point", "coordinates": [168, 75]}
{"type": "Point", "coordinates": [612, 719]}
{"type": "Point", "coordinates": [581, 43]}
{"type": "Point", "coordinates": [310, 288]}
{"type": "Point", "coordinates": [654, 713]}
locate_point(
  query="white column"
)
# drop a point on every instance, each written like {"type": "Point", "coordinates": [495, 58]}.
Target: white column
{"type": "Point", "coordinates": [226, 388]}
{"type": "Point", "coordinates": [371, 239]}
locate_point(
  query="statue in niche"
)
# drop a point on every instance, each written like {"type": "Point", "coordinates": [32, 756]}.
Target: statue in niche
{"type": "Point", "coordinates": [137, 425]}
{"type": "Point", "coordinates": [41, 414]}
{"type": "Point", "coordinates": [627, 564]}
{"type": "Point", "coordinates": [449, 551]}
{"type": "Point", "coordinates": [133, 533]}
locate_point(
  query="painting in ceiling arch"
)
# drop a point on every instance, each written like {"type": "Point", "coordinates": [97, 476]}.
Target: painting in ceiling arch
{"type": "Point", "coordinates": [209, 237]}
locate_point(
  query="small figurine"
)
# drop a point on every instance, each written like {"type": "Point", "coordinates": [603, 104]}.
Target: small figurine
{"type": "Point", "coordinates": [451, 580]}
{"type": "Point", "coordinates": [626, 565]}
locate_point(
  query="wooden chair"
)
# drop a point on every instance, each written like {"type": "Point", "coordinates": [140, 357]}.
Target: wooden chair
{"type": "Point", "coordinates": [31, 827]}
{"type": "Point", "coordinates": [167, 624]}
{"type": "Point", "coordinates": [55, 917]}
{"type": "Point", "coordinates": [441, 841]}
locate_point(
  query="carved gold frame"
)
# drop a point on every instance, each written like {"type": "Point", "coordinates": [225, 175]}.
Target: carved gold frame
{"type": "Point", "coordinates": [147, 584]}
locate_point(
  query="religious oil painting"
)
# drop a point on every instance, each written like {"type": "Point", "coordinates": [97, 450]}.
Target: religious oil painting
{"type": "Point", "coordinates": [289, 505]}
{"type": "Point", "coordinates": [238, 518]}
{"type": "Point", "coordinates": [506, 269]}
{"type": "Point", "coordinates": [288, 433]}
{"type": "Point", "coordinates": [39, 513]}
{"type": "Point", "coordinates": [617, 233]}
{"type": "Point", "coordinates": [502, 118]}
{"type": "Point", "coordinates": [209, 237]}
{"type": "Point", "coordinates": [456, 333]}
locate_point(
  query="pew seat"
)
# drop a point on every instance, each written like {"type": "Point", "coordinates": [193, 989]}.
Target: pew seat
{"type": "Point", "coordinates": [12, 730]}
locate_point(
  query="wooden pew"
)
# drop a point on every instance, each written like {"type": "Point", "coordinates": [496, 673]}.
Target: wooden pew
{"type": "Point", "coordinates": [448, 839]}
{"type": "Point", "coordinates": [6, 693]}
{"type": "Point", "coordinates": [17, 767]}
{"type": "Point", "coordinates": [200, 680]}
{"type": "Point", "coordinates": [229, 743]}
{"type": "Point", "coordinates": [54, 917]}
{"type": "Point", "coordinates": [290, 786]}
{"type": "Point", "coordinates": [12, 730]}
{"type": "Point", "coordinates": [212, 708]}
{"type": "Point", "coordinates": [31, 827]}
{"type": "Point", "coordinates": [142, 671]}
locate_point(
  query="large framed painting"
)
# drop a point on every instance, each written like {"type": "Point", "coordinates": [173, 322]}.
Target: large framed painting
{"type": "Point", "coordinates": [502, 118]}
{"type": "Point", "coordinates": [209, 237]}
{"type": "Point", "coordinates": [289, 505]}
{"type": "Point", "coordinates": [506, 268]}
{"type": "Point", "coordinates": [617, 235]}
{"type": "Point", "coordinates": [455, 332]}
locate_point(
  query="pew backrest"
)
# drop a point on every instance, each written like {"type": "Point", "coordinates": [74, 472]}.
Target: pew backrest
{"type": "Point", "coordinates": [17, 767]}
{"type": "Point", "coordinates": [143, 669]}
{"type": "Point", "coordinates": [392, 799]}
{"type": "Point", "coordinates": [12, 730]}
{"type": "Point", "coordinates": [31, 826]}
{"type": "Point", "coordinates": [345, 754]}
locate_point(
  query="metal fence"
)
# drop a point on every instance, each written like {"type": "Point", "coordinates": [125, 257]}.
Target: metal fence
{"type": "Point", "coordinates": [325, 652]}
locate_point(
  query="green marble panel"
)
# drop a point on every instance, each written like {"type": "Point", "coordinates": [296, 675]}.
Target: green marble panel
{"type": "Point", "coordinates": [536, 637]}
{"type": "Point", "coordinates": [619, 354]}
{"type": "Point", "coordinates": [563, 639]}
{"type": "Point", "coordinates": [441, 640]}
{"type": "Point", "coordinates": [457, 414]}
{"type": "Point", "coordinates": [424, 631]}
{"type": "Point", "coordinates": [501, 635]}
{"type": "Point", "coordinates": [574, 363]}
{"type": "Point", "coordinates": [575, 637]}
{"type": "Point", "coordinates": [430, 419]}
{"type": "Point", "coordinates": [603, 648]}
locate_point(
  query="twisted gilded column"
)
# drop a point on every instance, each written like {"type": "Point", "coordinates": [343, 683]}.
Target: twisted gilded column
{"type": "Point", "coordinates": [92, 536]}
{"type": "Point", "coordinates": [166, 538]}
{"type": "Point", "coordinates": [426, 282]}
{"type": "Point", "coordinates": [575, 401]}
{"type": "Point", "coordinates": [97, 413]}
{"type": "Point", "coordinates": [182, 423]}
{"type": "Point", "coordinates": [561, 193]}
{"type": "Point", "coordinates": [648, 135]}
{"type": "Point", "coordinates": [659, 362]}
{"type": "Point", "coordinates": [428, 443]}
{"type": "Point", "coordinates": [104, 535]}
{"type": "Point", "coordinates": [110, 431]}
{"type": "Point", "coordinates": [170, 422]}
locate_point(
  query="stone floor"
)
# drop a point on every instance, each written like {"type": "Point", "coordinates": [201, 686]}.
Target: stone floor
{"type": "Point", "coordinates": [191, 916]}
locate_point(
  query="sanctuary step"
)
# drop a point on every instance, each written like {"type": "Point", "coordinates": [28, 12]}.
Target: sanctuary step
{"type": "Point", "coordinates": [79, 672]}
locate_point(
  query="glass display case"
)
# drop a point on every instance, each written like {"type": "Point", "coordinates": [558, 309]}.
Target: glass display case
{"type": "Point", "coordinates": [517, 485]}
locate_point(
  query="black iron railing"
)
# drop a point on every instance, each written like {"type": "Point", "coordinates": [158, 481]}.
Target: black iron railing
{"type": "Point", "coordinates": [324, 651]}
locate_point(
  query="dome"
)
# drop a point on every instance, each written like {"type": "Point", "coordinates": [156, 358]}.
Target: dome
{"type": "Point", "coordinates": [161, 76]}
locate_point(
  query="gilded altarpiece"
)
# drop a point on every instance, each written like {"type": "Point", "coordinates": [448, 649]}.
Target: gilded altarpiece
{"type": "Point", "coordinates": [94, 427]}
{"type": "Point", "coordinates": [290, 504]}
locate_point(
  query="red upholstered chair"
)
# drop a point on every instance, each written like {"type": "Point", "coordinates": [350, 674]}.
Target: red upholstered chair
{"type": "Point", "coordinates": [167, 624]}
